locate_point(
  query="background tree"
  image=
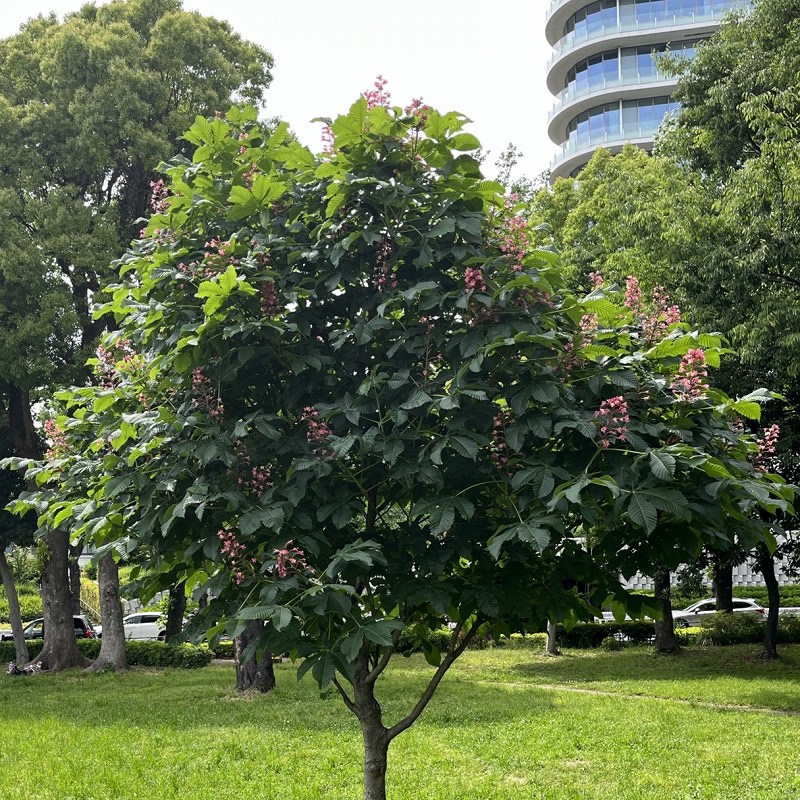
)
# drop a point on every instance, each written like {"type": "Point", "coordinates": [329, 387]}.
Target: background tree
{"type": "Point", "coordinates": [74, 178]}
{"type": "Point", "coordinates": [350, 400]}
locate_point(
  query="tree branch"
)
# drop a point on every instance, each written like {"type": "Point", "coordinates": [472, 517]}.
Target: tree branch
{"type": "Point", "coordinates": [452, 654]}
{"type": "Point", "coordinates": [384, 660]}
{"type": "Point", "coordinates": [345, 697]}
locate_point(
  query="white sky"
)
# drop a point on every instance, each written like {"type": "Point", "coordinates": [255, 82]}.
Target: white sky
{"type": "Point", "coordinates": [485, 58]}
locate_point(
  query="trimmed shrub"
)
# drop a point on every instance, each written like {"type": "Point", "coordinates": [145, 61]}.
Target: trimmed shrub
{"type": "Point", "coordinates": [591, 634]}
{"type": "Point", "coordinates": [223, 649]}
{"type": "Point", "coordinates": [140, 654]}
{"type": "Point", "coordinates": [30, 603]}
{"type": "Point", "coordinates": [722, 629]}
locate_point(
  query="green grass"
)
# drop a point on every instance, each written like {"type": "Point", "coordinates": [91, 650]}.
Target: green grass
{"type": "Point", "coordinates": [504, 724]}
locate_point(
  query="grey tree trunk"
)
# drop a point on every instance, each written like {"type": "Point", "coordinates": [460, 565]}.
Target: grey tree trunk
{"type": "Point", "coordinates": [552, 648]}
{"type": "Point", "coordinates": [255, 673]}
{"type": "Point", "coordinates": [374, 733]}
{"type": "Point", "coordinates": [74, 552]}
{"type": "Point", "coordinates": [665, 627]}
{"type": "Point", "coordinates": [14, 614]}
{"type": "Point", "coordinates": [177, 608]}
{"type": "Point", "coordinates": [60, 650]}
{"type": "Point", "coordinates": [112, 650]}
{"type": "Point", "coordinates": [766, 566]}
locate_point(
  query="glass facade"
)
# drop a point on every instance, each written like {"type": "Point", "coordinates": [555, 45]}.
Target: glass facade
{"type": "Point", "coordinates": [604, 69]}
{"type": "Point", "coordinates": [621, 120]}
{"type": "Point", "coordinates": [609, 17]}
{"type": "Point", "coordinates": [619, 67]}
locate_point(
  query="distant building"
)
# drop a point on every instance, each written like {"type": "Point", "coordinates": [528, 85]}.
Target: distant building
{"type": "Point", "coordinates": [603, 74]}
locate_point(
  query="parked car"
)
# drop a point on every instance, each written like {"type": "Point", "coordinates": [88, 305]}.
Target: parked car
{"type": "Point", "coordinates": [35, 629]}
{"type": "Point", "coordinates": [703, 608]}
{"type": "Point", "coordinates": [143, 625]}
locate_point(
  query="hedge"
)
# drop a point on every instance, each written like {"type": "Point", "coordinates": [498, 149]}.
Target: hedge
{"type": "Point", "coordinates": [722, 629]}
{"type": "Point", "coordinates": [140, 654]}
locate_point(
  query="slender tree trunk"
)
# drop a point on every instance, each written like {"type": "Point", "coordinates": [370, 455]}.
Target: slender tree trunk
{"type": "Point", "coordinates": [552, 648]}
{"type": "Point", "coordinates": [74, 551]}
{"type": "Point", "coordinates": [766, 566]}
{"type": "Point", "coordinates": [112, 649]}
{"type": "Point", "coordinates": [255, 673]}
{"type": "Point", "coordinates": [665, 627]}
{"type": "Point", "coordinates": [176, 610]}
{"type": "Point", "coordinates": [13, 609]}
{"type": "Point", "coordinates": [374, 733]}
{"type": "Point", "coordinates": [60, 650]}
{"type": "Point", "coordinates": [723, 582]}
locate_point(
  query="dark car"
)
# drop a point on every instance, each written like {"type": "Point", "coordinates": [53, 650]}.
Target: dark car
{"type": "Point", "coordinates": [35, 629]}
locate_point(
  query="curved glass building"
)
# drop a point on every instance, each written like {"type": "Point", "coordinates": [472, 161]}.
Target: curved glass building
{"type": "Point", "coordinates": [603, 72]}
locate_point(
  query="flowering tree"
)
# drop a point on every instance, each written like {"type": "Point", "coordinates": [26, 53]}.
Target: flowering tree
{"type": "Point", "coordinates": [358, 404]}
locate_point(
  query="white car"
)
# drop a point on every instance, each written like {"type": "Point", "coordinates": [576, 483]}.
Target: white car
{"type": "Point", "coordinates": [704, 608]}
{"type": "Point", "coordinates": [143, 625]}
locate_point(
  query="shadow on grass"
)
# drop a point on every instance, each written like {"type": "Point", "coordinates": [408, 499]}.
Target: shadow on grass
{"type": "Point", "coordinates": [206, 698]}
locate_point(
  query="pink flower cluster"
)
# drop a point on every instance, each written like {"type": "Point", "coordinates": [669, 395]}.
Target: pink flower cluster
{"type": "Point", "coordinates": [56, 438]}
{"type": "Point", "coordinates": [290, 559]}
{"type": "Point", "coordinates": [235, 553]}
{"type": "Point", "coordinates": [419, 110]}
{"type": "Point", "coordinates": [498, 449]}
{"type": "Point", "coordinates": [656, 324]}
{"type": "Point", "coordinates": [514, 241]}
{"type": "Point", "coordinates": [383, 277]}
{"type": "Point", "coordinates": [327, 139]}
{"type": "Point", "coordinates": [767, 446]}
{"type": "Point", "coordinates": [588, 327]}
{"type": "Point", "coordinates": [317, 432]}
{"type": "Point", "coordinates": [633, 294]}
{"type": "Point", "coordinates": [691, 381]}
{"type": "Point", "coordinates": [613, 418]}
{"type": "Point", "coordinates": [111, 364]}
{"type": "Point", "coordinates": [257, 481]}
{"type": "Point", "coordinates": [270, 305]}
{"type": "Point", "coordinates": [378, 96]}
{"type": "Point", "coordinates": [597, 279]}
{"type": "Point", "coordinates": [473, 278]}
{"type": "Point", "coordinates": [158, 196]}
{"type": "Point", "coordinates": [204, 399]}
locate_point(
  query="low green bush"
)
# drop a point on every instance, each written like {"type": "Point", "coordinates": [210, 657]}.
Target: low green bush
{"type": "Point", "coordinates": [591, 634]}
{"type": "Point", "coordinates": [140, 654]}
{"type": "Point", "coordinates": [223, 649]}
{"type": "Point", "coordinates": [30, 604]}
{"type": "Point", "coordinates": [724, 629]}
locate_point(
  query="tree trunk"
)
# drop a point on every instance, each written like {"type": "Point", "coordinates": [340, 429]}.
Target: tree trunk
{"type": "Point", "coordinates": [374, 733]}
{"type": "Point", "coordinates": [255, 673]}
{"type": "Point", "coordinates": [112, 650]}
{"type": "Point", "coordinates": [60, 650]}
{"type": "Point", "coordinates": [13, 610]}
{"type": "Point", "coordinates": [665, 627]}
{"type": "Point", "coordinates": [176, 610]}
{"type": "Point", "coordinates": [766, 566]}
{"type": "Point", "coordinates": [24, 438]}
{"type": "Point", "coordinates": [74, 551]}
{"type": "Point", "coordinates": [551, 648]}
{"type": "Point", "coordinates": [723, 583]}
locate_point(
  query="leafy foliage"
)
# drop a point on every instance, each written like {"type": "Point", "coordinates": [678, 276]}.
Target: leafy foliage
{"type": "Point", "coordinates": [349, 399]}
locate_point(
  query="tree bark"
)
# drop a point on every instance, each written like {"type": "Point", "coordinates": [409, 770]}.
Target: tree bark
{"type": "Point", "coordinates": [14, 614]}
{"type": "Point", "coordinates": [112, 650]}
{"type": "Point", "coordinates": [74, 551]}
{"type": "Point", "coordinates": [551, 647]}
{"type": "Point", "coordinates": [665, 627]}
{"type": "Point", "coordinates": [723, 582]}
{"type": "Point", "coordinates": [374, 733]}
{"type": "Point", "coordinates": [24, 438]}
{"type": "Point", "coordinates": [60, 650]}
{"type": "Point", "coordinates": [176, 610]}
{"type": "Point", "coordinates": [766, 566]}
{"type": "Point", "coordinates": [255, 673]}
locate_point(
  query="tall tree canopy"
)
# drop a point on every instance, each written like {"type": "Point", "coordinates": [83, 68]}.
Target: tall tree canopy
{"type": "Point", "coordinates": [89, 107]}
{"type": "Point", "coordinates": [348, 398]}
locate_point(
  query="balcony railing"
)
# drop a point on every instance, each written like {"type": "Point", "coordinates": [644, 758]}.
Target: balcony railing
{"type": "Point", "coordinates": [600, 29]}
{"type": "Point", "coordinates": [575, 91]}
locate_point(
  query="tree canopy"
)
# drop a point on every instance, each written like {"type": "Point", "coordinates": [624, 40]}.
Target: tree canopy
{"type": "Point", "coordinates": [348, 397]}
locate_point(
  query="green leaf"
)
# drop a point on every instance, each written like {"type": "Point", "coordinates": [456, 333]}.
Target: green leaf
{"type": "Point", "coordinates": [642, 513]}
{"type": "Point", "coordinates": [464, 446]}
{"type": "Point", "coordinates": [662, 464]}
{"type": "Point", "coordinates": [324, 669]}
{"type": "Point", "coordinates": [464, 142]}
{"type": "Point", "coordinates": [351, 646]}
{"type": "Point", "coordinates": [748, 409]}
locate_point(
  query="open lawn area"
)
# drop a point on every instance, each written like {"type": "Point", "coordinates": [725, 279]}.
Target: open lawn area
{"type": "Point", "coordinates": [716, 723]}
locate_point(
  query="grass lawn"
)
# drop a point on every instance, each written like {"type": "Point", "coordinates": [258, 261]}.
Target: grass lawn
{"type": "Point", "coordinates": [504, 724]}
